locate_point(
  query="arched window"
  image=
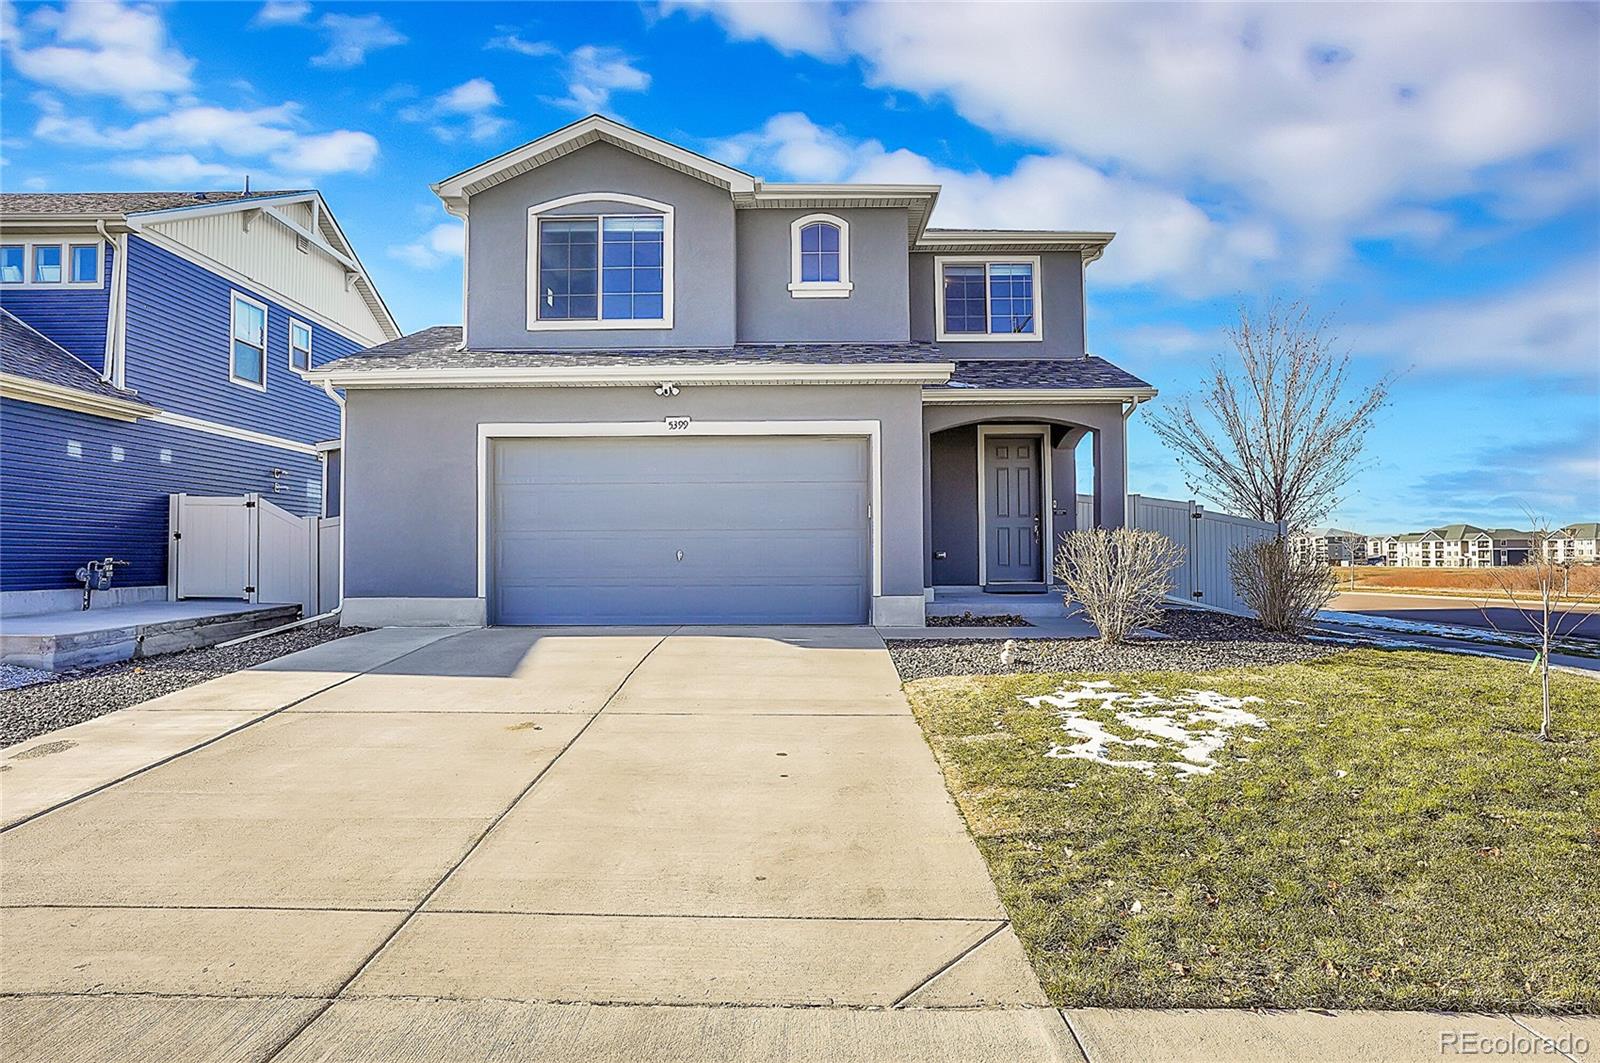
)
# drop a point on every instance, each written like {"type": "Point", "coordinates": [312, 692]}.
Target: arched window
{"type": "Point", "coordinates": [819, 257]}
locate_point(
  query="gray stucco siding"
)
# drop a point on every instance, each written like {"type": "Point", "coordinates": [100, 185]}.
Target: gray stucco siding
{"type": "Point", "coordinates": [412, 477]}
{"type": "Point", "coordinates": [874, 311]}
{"type": "Point", "coordinates": [1060, 286]}
{"type": "Point", "coordinates": [704, 284]}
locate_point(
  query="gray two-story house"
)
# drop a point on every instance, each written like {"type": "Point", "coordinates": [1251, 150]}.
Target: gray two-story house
{"type": "Point", "coordinates": [683, 394]}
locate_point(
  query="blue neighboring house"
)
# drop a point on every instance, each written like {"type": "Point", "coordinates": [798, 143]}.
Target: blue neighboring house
{"type": "Point", "coordinates": [154, 343]}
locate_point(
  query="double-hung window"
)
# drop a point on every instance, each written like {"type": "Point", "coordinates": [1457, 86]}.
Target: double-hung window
{"type": "Point", "coordinates": [299, 346]}
{"type": "Point", "coordinates": [988, 299]}
{"type": "Point", "coordinates": [601, 270]}
{"type": "Point", "coordinates": [819, 257]}
{"type": "Point", "coordinates": [247, 362]}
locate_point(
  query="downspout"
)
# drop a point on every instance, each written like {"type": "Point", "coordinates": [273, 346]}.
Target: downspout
{"type": "Point", "coordinates": [344, 474]}
{"type": "Point", "coordinates": [466, 258]}
{"type": "Point", "coordinates": [111, 370]}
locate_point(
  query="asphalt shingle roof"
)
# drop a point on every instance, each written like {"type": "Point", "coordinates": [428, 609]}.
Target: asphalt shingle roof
{"type": "Point", "coordinates": [68, 203]}
{"type": "Point", "coordinates": [436, 348]}
{"type": "Point", "coordinates": [26, 352]}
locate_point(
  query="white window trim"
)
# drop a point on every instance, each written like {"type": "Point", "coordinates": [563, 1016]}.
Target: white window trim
{"type": "Point", "coordinates": [839, 289]}
{"type": "Point", "coordinates": [310, 346]}
{"type": "Point", "coordinates": [538, 210]}
{"type": "Point", "coordinates": [66, 243]}
{"type": "Point", "coordinates": [941, 261]}
{"type": "Point", "coordinates": [234, 298]}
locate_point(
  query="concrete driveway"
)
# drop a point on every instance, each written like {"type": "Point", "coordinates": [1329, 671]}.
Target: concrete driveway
{"type": "Point", "coordinates": [711, 844]}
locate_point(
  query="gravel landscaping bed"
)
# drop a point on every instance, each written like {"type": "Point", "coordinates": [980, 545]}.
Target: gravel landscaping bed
{"type": "Point", "coordinates": [969, 620]}
{"type": "Point", "coordinates": [1195, 641]}
{"type": "Point", "coordinates": [73, 697]}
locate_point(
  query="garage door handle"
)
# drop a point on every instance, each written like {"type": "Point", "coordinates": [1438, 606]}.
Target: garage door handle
{"type": "Point", "coordinates": [680, 555]}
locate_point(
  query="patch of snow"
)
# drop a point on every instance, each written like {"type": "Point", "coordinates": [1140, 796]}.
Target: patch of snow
{"type": "Point", "coordinates": [1193, 726]}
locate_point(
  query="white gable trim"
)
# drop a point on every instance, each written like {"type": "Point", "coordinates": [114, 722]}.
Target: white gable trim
{"type": "Point", "coordinates": [580, 134]}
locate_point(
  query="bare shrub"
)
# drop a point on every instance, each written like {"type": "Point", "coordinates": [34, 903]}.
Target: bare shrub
{"type": "Point", "coordinates": [1283, 593]}
{"type": "Point", "coordinates": [1120, 576]}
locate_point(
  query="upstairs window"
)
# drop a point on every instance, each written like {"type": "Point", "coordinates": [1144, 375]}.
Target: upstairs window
{"type": "Point", "coordinates": [12, 257]}
{"type": "Point", "coordinates": [299, 346]}
{"type": "Point", "coordinates": [47, 263]}
{"type": "Point", "coordinates": [602, 270]}
{"type": "Point", "coordinates": [819, 257]}
{"type": "Point", "coordinates": [981, 299]}
{"type": "Point", "coordinates": [248, 359]}
{"type": "Point", "coordinates": [85, 261]}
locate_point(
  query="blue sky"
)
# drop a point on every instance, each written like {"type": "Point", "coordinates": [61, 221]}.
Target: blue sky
{"type": "Point", "coordinates": [1429, 175]}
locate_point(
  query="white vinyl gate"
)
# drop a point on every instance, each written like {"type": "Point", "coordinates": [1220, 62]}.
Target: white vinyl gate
{"type": "Point", "coordinates": [1207, 539]}
{"type": "Point", "coordinates": [246, 548]}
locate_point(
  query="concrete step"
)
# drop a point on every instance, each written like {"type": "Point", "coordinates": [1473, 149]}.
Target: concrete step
{"type": "Point", "coordinates": [58, 642]}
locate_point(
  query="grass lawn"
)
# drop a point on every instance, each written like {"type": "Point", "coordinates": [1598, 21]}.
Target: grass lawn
{"type": "Point", "coordinates": [1393, 837]}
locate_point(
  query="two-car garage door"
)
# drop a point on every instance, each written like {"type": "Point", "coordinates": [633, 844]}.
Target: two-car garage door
{"type": "Point", "coordinates": [653, 530]}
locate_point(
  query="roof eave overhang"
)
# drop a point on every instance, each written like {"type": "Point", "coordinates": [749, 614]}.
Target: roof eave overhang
{"type": "Point", "coordinates": [1002, 242]}
{"type": "Point", "coordinates": [44, 393]}
{"type": "Point", "coordinates": [634, 375]}
{"type": "Point", "coordinates": [456, 189]}
{"type": "Point", "coordinates": [63, 223]}
{"type": "Point", "coordinates": [937, 396]}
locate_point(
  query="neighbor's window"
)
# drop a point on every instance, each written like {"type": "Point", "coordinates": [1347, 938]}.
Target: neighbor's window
{"type": "Point", "coordinates": [602, 269]}
{"type": "Point", "coordinates": [12, 257]}
{"type": "Point", "coordinates": [47, 263]}
{"type": "Point", "coordinates": [989, 300]}
{"type": "Point", "coordinates": [85, 261]}
{"type": "Point", "coordinates": [819, 257]}
{"type": "Point", "coordinates": [299, 346]}
{"type": "Point", "coordinates": [249, 358]}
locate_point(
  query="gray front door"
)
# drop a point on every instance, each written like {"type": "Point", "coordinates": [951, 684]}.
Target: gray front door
{"type": "Point", "coordinates": [698, 530]}
{"type": "Point", "coordinates": [1012, 522]}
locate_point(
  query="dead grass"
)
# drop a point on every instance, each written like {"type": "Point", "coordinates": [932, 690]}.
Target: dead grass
{"type": "Point", "coordinates": [1395, 838]}
{"type": "Point", "coordinates": [1584, 579]}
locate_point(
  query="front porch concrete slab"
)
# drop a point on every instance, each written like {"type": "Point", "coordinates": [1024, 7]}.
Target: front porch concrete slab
{"type": "Point", "coordinates": [499, 670]}
{"type": "Point", "coordinates": [1136, 1035]}
{"type": "Point", "coordinates": [138, 1029]}
{"type": "Point", "coordinates": [182, 951]}
{"type": "Point", "coordinates": [734, 815]}
{"type": "Point", "coordinates": [668, 960]}
{"type": "Point", "coordinates": [299, 810]}
{"type": "Point", "coordinates": [490, 1031]}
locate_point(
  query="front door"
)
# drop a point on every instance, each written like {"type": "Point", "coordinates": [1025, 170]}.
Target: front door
{"type": "Point", "coordinates": [1013, 530]}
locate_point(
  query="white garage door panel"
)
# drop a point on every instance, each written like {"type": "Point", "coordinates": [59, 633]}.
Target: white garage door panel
{"type": "Point", "coordinates": [771, 530]}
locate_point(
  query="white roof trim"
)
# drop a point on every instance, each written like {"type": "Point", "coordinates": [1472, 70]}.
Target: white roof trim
{"type": "Point", "coordinates": [579, 134]}
{"type": "Point", "coordinates": [44, 393]}
{"type": "Point", "coordinates": [643, 373]}
{"type": "Point", "coordinates": [1010, 241]}
{"type": "Point", "coordinates": [981, 396]}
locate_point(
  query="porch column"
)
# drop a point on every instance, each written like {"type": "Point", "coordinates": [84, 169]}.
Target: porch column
{"type": "Point", "coordinates": [1064, 480]}
{"type": "Point", "coordinates": [1111, 476]}
{"type": "Point", "coordinates": [927, 513]}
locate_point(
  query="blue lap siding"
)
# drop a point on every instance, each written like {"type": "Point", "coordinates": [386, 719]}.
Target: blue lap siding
{"type": "Point", "coordinates": [75, 487]}
{"type": "Point", "coordinates": [179, 341]}
{"type": "Point", "coordinates": [75, 318]}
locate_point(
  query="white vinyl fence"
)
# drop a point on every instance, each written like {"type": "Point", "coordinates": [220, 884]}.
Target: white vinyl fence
{"type": "Point", "coordinates": [245, 547]}
{"type": "Point", "coordinates": [1207, 539]}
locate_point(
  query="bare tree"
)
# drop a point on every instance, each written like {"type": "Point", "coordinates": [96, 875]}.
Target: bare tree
{"type": "Point", "coordinates": [1121, 576]}
{"type": "Point", "coordinates": [1537, 606]}
{"type": "Point", "coordinates": [1278, 431]}
{"type": "Point", "coordinates": [1282, 590]}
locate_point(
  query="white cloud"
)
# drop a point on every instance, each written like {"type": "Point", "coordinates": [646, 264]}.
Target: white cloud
{"type": "Point", "coordinates": [593, 72]}
{"type": "Point", "coordinates": [1328, 117]}
{"type": "Point", "coordinates": [1548, 328]}
{"type": "Point", "coordinates": [282, 13]}
{"type": "Point", "coordinates": [179, 171]}
{"type": "Point", "coordinates": [466, 110]}
{"type": "Point", "coordinates": [433, 248]}
{"type": "Point", "coordinates": [351, 37]}
{"type": "Point", "coordinates": [508, 41]}
{"type": "Point", "coordinates": [1163, 238]}
{"type": "Point", "coordinates": [270, 134]}
{"type": "Point", "coordinates": [106, 49]}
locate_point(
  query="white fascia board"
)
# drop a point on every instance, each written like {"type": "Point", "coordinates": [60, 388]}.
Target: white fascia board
{"type": "Point", "coordinates": [454, 188]}
{"type": "Point", "coordinates": [1002, 241]}
{"type": "Point", "coordinates": [982, 396]}
{"type": "Point", "coordinates": [138, 219]}
{"type": "Point", "coordinates": [644, 373]}
{"type": "Point", "coordinates": [44, 393]}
